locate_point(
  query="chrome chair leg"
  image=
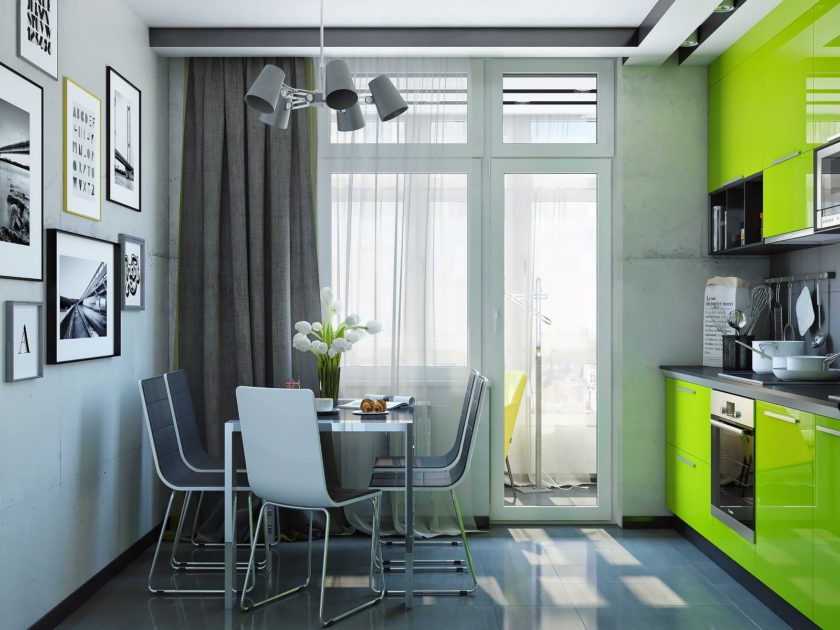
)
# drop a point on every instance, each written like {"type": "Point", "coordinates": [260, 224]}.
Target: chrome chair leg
{"type": "Point", "coordinates": [510, 474]}
{"type": "Point", "coordinates": [207, 545]}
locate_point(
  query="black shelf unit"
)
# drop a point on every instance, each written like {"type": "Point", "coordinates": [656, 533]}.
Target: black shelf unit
{"type": "Point", "coordinates": [741, 204]}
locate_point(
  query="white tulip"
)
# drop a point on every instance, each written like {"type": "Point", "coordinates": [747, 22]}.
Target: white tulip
{"type": "Point", "coordinates": [331, 354]}
{"type": "Point", "coordinates": [302, 343]}
{"type": "Point", "coordinates": [353, 320]}
{"type": "Point", "coordinates": [336, 305]}
{"type": "Point", "coordinates": [374, 326]}
{"type": "Point", "coordinates": [352, 336]}
{"type": "Point", "coordinates": [326, 297]}
{"type": "Point", "coordinates": [303, 327]}
{"type": "Point", "coordinates": [316, 327]}
{"type": "Point", "coordinates": [339, 344]}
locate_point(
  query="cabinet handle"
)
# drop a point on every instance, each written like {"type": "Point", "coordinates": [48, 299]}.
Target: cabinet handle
{"type": "Point", "coordinates": [730, 182]}
{"type": "Point", "coordinates": [685, 390]}
{"type": "Point", "coordinates": [687, 462]}
{"type": "Point", "coordinates": [727, 427]}
{"type": "Point", "coordinates": [785, 158]}
{"type": "Point", "coordinates": [778, 416]}
{"type": "Point", "coordinates": [823, 429]}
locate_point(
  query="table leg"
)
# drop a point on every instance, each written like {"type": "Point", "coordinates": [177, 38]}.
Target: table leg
{"type": "Point", "coordinates": [229, 516]}
{"type": "Point", "coordinates": [409, 516]}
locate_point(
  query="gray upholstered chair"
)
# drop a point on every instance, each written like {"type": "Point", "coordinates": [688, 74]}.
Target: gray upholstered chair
{"type": "Point", "coordinates": [286, 469]}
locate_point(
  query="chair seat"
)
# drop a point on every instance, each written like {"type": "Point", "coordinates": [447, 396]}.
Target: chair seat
{"type": "Point", "coordinates": [420, 461]}
{"type": "Point", "coordinates": [187, 479]}
{"type": "Point", "coordinates": [422, 479]}
{"type": "Point", "coordinates": [349, 495]}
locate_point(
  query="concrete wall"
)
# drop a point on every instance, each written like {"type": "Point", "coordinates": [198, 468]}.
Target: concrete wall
{"type": "Point", "coordinates": [76, 484]}
{"type": "Point", "coordinates": [660, 263]}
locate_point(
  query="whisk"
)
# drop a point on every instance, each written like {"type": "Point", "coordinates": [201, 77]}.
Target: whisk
{"type": "Point", "coordinates": [760, 297]}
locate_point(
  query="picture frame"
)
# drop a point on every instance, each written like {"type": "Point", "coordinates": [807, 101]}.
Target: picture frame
{"type": "Point", "coordinates": [21, 177]}
{"type": "Point", "coordinates": [37, 34]}
{"type": "Point", "coordinates": [24, 341]}
{"type": "Point", "coordinates": [132, 273]}
{"type": "Point", "coordinates": [82, 320]}
{"type": "Point", "coordinates": [82, 152]}
{"type": "Point", "coordinates": [124, 141]}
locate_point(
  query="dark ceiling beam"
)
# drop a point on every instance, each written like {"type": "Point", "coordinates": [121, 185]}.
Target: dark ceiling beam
{"type": "Point", "coordinates": [364, 37]}
{"type": "Point", "coordinates": [712, 23]}
{"type": "Point", "coordinates": [652, 18]}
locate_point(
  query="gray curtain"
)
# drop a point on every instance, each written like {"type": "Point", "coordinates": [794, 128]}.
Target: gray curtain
{"type": "Point", "coordinates": [248, 266]}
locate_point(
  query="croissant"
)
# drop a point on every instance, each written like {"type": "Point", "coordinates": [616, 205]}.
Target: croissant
{"type": "Point", "coordinates": [367, 405]}
{"type": "Point", "coordinates": [379, 405]}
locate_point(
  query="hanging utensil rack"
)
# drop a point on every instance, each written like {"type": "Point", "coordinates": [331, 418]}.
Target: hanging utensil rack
{"type": "Point", "coordinates": [807, 277]}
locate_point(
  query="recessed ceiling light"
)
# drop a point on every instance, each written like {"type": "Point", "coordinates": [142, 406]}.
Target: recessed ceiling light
{"type": "Point", "coordinates": [725, 7]}
{"type": "Point", "coordinates": [691, 41]}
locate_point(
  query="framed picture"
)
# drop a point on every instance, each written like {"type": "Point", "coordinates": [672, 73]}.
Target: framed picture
{"type": "Point", "coordinates": [38, 34]}
{"type": "Point", "coordinates": [82, 159]}
{"type": "Point", "coordinates": [82, 319]}
{"type": "Point", "coordinates": [24, 341]}
{"type": "Point", "coordinates": [124, 130]}
{"type": "Point", "coordinates": [21, 176]}
{"type": "Point", "coordinates": [132, 273]}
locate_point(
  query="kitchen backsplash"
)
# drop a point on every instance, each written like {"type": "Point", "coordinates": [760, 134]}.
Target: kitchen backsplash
{"type": "Point", "coordinates": [825, 258]}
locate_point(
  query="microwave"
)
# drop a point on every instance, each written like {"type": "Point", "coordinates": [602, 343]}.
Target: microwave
{"type": "Point", "coordinates": [827, 185]}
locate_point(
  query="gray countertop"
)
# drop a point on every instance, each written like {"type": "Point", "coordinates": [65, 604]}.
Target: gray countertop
{"type": "Point", "coordinates": [811, 397]}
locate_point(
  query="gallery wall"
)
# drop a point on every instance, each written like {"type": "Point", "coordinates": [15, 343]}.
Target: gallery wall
{"type": "Point", "coordinates": [76, 483]}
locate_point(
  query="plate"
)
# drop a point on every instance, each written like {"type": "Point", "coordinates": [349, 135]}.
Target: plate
{"type": "Point", "coordinates": [375, 413]}
{"type": "Point", "coordinates": [807, 375]}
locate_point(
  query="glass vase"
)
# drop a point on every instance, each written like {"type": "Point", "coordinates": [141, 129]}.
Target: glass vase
{"type": "Point", "coordinates": [329, 377]}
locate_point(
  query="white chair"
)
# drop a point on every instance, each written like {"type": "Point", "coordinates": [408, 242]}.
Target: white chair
{"type": "Point", "coordinates": [286, 469]}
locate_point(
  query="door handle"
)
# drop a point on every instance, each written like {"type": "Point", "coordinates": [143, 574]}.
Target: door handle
{"type": "Point", "coordinates": [687, 462]}
{"type": "Point", "coordinates": [778, 416]}
{"type": "Point", "coordinates": [828, 431]}
{"type": "Point", "coordinates": [785, 158]}
{"type": "Point", "coordinates": [685, 390]}
{"type": "Point", "coordinates": [726, 427]}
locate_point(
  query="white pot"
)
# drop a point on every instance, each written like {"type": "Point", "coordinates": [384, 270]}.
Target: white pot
{"type": "Point", "coordinates": [774, 349]}
{"type": "Point", "coordinates": [806, 363]}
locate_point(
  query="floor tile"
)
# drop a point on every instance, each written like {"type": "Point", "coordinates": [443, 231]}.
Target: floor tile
{"type": "Point", "coordinates": [652, 618]}
{"type": "Point", "coordinates": [538, 618]}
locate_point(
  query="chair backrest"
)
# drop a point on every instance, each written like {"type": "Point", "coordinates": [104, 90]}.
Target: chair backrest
{"type": "Point", "coordinates": [514, 388]}
{"type": "Point", "coordinates": [282, 446]}
{"type": "Point", "coordinates": [161, 431]}
{"type": "Point", "coordinates": [458, 444]}
{"type": "Point", "coordinates": [473, 417]}
{"type": "Point", "coordinates": [183, 414]}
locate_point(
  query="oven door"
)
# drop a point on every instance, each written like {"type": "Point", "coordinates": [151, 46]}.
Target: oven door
{"type": "Point", "coordinates": [733, 476]}
{"type": "Point", "coordinates": [827, 193]}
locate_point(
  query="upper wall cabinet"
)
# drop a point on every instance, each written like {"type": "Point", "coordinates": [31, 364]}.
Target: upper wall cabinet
{"type": "Point", "coordinates": [787, 67]}
{"type": "Point", "coordinates": [824, 89]}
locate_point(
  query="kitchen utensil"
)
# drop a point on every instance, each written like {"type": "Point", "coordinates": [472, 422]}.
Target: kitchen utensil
{"type": "Point", "coordinates": [829, 359]}
{"type": "Point", "coordinates": [778, 334]}
{"type": "Point", "coordinates": [789, 325]}
{"type": "Point", "coordinates": [737, 353]}
{"type": "Point", "coordinates": [805, 363]}
{"type": "Point", "coordinates": [800, 375]}
{"type": "Point", "coordinates": [804, 311]}
{"type": "Point", "coordinates": [760, 297]}
{"type": "Point", "coordinates": [775, 349]}
{"type": "Point", "coordinates": [737, 320]}
{"type": "Point", "coordinates": [819, 338]}
{"type": "Point", "coordinates": [754, 350]}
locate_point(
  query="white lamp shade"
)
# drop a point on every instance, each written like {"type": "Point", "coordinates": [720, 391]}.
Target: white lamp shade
{"type": "Point", "coordinates": [265, 91]}
{"type": "Point", "coordinates": [350, 119]}
{"type": "Point", "coordinates": [281, 117]}
{"type": "Point", "coordinates": [340, 92]}
{"type": "Point", "coordinates": [389, 103]}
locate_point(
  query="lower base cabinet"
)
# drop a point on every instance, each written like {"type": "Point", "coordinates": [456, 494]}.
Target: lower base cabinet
{"type": "Point", "coordinates": [827, 525]}
{"type": "Point", "coordinates": [688, 489]}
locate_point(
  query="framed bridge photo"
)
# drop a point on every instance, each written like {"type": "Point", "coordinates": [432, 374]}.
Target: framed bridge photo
{"type": "Point", "coordinates": [124, 130]}
{"type": "Point", "coordinates": [21, 176]}
{"type": "Point", "coordinates": [83, 314]}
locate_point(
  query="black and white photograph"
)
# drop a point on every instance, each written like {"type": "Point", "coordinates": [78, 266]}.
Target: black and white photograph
{"type": "Point", "coordinates": [24, 341]}
{"type": "Point", "coordinates": [82, 159]}
{"type": "Point", "coordinates": [38, 34]}
{"type": "Point", "coordinates": [83, 320]}
{"type": "Point", "coordinates": [133, 273]}
{"type": "Point", "coordinates": [124, 129]}
{"type": "Point", "coordinates": [21, 175]}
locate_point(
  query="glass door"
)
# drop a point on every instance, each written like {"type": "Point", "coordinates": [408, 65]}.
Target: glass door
{"type": "Point", "coordinates": [548, 348]}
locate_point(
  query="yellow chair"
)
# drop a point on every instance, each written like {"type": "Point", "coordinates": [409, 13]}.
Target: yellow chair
{"type": "Point", "coordinates": [514, 388]}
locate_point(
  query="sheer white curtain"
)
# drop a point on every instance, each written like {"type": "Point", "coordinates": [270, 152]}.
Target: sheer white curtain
{"type": "Point", "coordinates": [398, 249]}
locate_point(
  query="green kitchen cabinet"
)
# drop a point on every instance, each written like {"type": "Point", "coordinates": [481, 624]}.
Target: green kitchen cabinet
{"type": "Point", "coordinates": [827, 525]}
{"type": "Point", "coordinates": [688, 489]}
{"type": "Point", "coordinates": [788, 67]}
{"type": "Point", "coordinates": [687, 409]}
{"type": "Point", "coordinates": [715, 149]}
{"type": "Point", "coordinates": [732, 544]}
{"type": "Point", "coordinates": [824, 91]}
{"type": "Point", "coordinates": [789, 195]}
{"type": "Point", "coordinates": [785, 494]}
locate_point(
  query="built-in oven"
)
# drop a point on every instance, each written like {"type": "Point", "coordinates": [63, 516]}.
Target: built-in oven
{"type": "Point", "coordinates": [827, 182]}
{"type": "Point", "coordinates": [733, 462]}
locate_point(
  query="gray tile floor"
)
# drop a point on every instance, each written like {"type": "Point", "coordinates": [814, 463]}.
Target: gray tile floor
{"type": "Point", "coordinates": [576, 577]}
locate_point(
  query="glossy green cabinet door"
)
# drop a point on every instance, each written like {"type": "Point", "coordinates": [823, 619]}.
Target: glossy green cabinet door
{"type": "Point", "coordinates": [687, 410]}
{"type": "Point", "coordinates": [789, 195]}
{"type": "Point", "coordinates": [827, 525]}
{"type": "Point", "coordinates": [788, 66]}
{"type": "Point", "coordinates": [741, 121]}
{"type": "Point", "coordinates": [688, 491]}
{"type": "Point", "coordinates": [825, 88]}
{"type": "Point", "coordinates": [785, 502]}
{"type": "Point", "coordinates": [715, 154]}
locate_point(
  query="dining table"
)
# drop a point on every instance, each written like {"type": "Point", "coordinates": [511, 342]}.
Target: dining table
{"type": "Point", "coordinates": [397, 420]}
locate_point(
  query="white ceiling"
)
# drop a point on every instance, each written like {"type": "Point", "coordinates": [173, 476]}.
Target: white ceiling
{"type": "Point", "coordinates": [389, 13]}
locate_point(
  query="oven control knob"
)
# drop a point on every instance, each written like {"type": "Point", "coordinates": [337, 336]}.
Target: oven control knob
{"type": "Point", "coordinates": [737, 414]}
